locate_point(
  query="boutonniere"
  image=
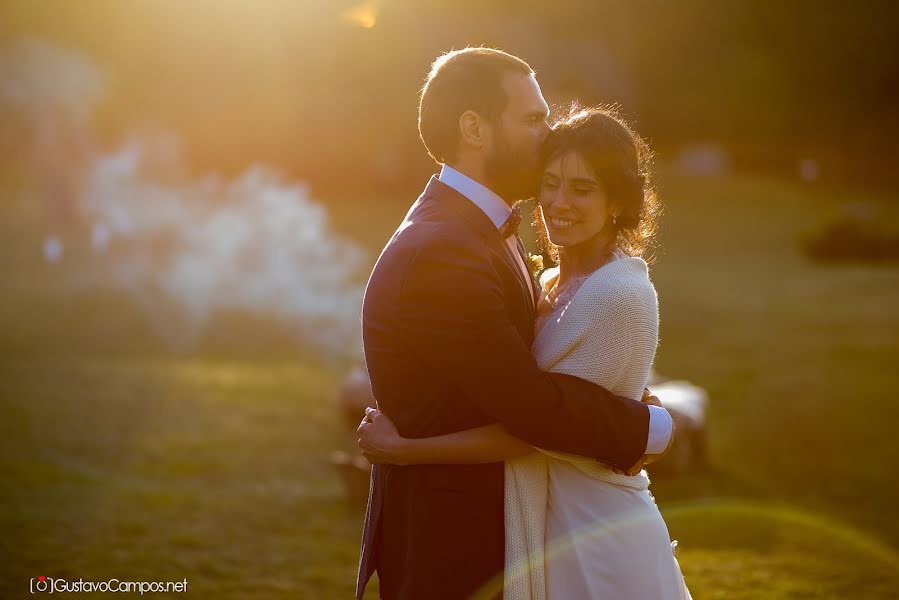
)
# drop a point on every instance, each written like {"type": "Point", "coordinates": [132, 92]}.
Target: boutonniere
{"type": "Point", "coordinates": [535, 264]}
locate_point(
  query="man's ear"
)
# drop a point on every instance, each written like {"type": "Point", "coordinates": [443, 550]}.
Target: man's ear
{"type": "Point", "coordinates": [474, 131]}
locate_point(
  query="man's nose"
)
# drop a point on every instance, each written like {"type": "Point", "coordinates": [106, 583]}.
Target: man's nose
{"type": "Point", "coordinates": [545, 130]}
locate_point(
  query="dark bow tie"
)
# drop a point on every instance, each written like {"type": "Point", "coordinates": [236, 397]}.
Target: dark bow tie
{"type": "Point", "coordinates": [510, 227]}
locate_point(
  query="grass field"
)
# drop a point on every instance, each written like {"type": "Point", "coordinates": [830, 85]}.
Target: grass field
{"type": "Point", "coordinates": [120, 459]}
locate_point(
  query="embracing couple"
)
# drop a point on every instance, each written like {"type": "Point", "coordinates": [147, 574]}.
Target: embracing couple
{"type": "Point", "coordinates": [513, 422]}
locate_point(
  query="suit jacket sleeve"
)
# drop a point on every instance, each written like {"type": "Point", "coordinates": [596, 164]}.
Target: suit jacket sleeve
{"type": "Point", "coordinates": [453, 315]}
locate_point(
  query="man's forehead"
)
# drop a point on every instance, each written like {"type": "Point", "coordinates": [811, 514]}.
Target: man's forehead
{"type": "Point", "coordinates": [524, 94]}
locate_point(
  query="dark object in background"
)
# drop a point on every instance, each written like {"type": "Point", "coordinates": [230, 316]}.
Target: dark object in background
{"type": "Point", "coordinates": [853, 237]}
{"type": "Point", "coordinates": [686, 402]}
{"type": "Point", "coordinates": [352, 398]}
{"type": "Point", "coordinates": [355, 471]}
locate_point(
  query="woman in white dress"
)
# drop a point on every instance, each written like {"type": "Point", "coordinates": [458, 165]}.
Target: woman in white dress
{"type": "Point", "coordinates": [574, 528]}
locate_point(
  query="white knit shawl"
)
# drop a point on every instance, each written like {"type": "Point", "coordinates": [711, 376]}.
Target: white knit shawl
{"type": "Point", "coordinates": [607, 334]}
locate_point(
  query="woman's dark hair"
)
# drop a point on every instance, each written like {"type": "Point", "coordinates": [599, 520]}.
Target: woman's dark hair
{"type": "Point", "coordinates": [460, 80]}
{"type": "Point", "coordinates": [621, 160]}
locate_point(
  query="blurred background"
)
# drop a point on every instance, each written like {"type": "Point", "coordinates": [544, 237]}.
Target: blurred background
{"type": "Point", "coordinates": [192, 195]}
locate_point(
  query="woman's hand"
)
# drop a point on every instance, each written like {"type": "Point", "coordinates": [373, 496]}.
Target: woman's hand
{"type": "Point", "coordinates": [379, 440]}
{"type": "Point", "coordinates": [648, 398]}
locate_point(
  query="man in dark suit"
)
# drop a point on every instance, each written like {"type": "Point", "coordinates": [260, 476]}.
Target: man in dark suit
{"type": "Point", "coordinates": [448, 323]}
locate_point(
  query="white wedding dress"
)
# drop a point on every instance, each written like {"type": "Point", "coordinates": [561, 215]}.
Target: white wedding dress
{"type": "Point", "coordinates": [576, 530]}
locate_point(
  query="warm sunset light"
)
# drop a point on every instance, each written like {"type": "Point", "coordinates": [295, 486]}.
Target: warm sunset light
{"type": "Point", "coordinates": [364, 15]}
{"type": "Point", "coordinates": [399, 299]}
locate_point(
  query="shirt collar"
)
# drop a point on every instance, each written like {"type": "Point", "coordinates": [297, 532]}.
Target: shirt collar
{"type": "Point", "coordinates": [492, 205]}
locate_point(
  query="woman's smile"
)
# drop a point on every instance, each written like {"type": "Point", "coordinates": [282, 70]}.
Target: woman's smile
{"type": "Point", "coordinates": [561, 224]}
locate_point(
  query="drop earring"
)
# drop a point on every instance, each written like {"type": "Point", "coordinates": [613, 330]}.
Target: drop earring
{"type": "Point", "coordinates": [614, 219]}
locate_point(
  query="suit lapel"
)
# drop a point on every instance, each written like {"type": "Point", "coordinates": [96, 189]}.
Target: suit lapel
{"type": "Point", "coordinates": [475, 218]}
{"type": "Point", "coordinates": [499, 248]}
{"type": "Point", "coordinates": [535, 285]}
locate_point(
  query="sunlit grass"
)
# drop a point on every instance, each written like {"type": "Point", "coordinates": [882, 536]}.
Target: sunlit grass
{"type": "Point", "coordinates": [165, 469]}
{"type": "Point", "coordinates": [735, 549]}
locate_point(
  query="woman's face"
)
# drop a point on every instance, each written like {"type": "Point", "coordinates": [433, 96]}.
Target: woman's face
{"type": "Point", "coordinates": [572, 200]}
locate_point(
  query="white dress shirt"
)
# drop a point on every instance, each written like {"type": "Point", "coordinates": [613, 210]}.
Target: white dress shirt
{"type": "Point", "coordinates": [492, 205]}
{"type": "Point", "coordinates": [660, 424]}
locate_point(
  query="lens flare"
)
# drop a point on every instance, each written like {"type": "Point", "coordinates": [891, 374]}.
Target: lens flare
{"type": "Point", "coordinates": [841, 534]}
{"type": "Point", "coordinates": [363, 15]}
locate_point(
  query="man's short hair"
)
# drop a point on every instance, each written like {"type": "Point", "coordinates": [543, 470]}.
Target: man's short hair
{"type": "Point", "coordinates": [461, 80]}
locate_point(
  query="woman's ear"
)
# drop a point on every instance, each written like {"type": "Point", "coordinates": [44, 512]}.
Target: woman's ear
{"type": "Point", "coordinates": [473, 129]}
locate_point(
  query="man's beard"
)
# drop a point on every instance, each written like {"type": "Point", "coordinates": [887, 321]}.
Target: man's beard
{"type": "Point", "coordinates": [513, 176]}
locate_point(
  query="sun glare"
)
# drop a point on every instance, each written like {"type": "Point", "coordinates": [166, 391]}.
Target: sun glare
{"type": "Point", "coordinates": [364, 14]}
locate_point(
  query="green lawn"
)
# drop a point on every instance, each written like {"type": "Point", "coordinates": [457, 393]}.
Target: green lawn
{"type": "Point", "coordinates": [122, 460]}
{"type": "Point", "coordinates": [161, 469]}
